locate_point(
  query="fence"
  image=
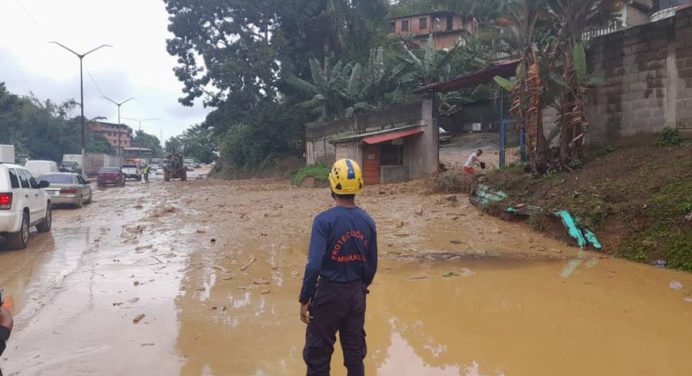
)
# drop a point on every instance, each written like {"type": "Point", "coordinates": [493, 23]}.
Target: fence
{"type": "Point", "coordinates": [512, 143]}
{"type": "Point", "coordinates": [512, 138]}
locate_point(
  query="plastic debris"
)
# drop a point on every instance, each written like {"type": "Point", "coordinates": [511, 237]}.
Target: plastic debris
{"type": "Point", "coordinates": [675, 285]}
{"type": "Point", "coordinates": [484, 196]}
{"type": "Point", "coordinates": [466, 272]}
{"type": "Point", "coordinates": [661, 264]}
{"type": "Point", "coordinates": [584, 237]}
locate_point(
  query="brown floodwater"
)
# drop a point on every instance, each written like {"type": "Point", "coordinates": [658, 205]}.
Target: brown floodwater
{"type": "Point", "coordinates": [216, 270]}
{"type": "Point", "coordinates": [495, 317]}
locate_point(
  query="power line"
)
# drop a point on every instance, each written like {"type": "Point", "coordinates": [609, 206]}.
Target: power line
{"type": "Point", "coordinates": [28, 14]}
{"type": "Point", "coordinates": [93, 81]}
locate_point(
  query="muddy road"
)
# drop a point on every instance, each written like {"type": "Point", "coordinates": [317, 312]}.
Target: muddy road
{"type": "Point", "coordinates": [202, 278]}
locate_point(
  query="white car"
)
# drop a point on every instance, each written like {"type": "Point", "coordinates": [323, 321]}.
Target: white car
{"type": "Point", "coordinates": [132, 171]}
{"type": "Point", "coordinates": [23, 204]}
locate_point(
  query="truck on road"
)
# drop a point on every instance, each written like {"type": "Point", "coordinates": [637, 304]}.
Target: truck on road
{"type": "Point", "coordinates": [94, 162]}
{"type": "Point", "coordinates": [132, 171]}
{"type": "Point", "coordinates": [174, 168]}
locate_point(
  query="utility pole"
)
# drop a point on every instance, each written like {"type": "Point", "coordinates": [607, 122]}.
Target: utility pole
{"type": "Point", "coordinates": [140, 121]}
{"type": "Point", "coordinates": [120, 149]}
{"type": "Point", "coordinates": [81, 94]}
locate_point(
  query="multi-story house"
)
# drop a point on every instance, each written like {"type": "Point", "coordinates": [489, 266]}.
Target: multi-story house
{"type": "Point", "coordinates": [446, 28]}
{"type": "Point", "coordinates": [118, 135]}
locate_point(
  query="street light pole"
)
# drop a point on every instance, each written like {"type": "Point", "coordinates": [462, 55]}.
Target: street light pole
{"type": "Point", "coordinates": [120, 151]}
{"type": "Point", "coordinates": [140, 121]}
{"type": "Point", "coordinates": [81, 94]}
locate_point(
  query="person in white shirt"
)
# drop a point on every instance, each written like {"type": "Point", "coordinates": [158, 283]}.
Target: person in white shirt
{"type": "Point", "coordinates": [473, 161]}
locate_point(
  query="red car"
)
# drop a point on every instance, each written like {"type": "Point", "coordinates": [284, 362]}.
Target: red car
{"type": "Point", "coordinates": [110, 176]}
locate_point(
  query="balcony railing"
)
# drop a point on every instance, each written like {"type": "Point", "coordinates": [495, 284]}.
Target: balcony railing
{"type": "Point", "coordinates": [595, 33]}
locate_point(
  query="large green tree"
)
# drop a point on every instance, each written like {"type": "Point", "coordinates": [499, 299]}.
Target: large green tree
{"type": "Point", "coordinates": [237, 54]}
{"type": "Point", "coordinates": [197, 142]}
{"type": "Point", "coordinates": [42, 129]}
{"type": "Point", "coordinates": [239, 50]}
{"type": "Point", "coordinates": [146, 140]}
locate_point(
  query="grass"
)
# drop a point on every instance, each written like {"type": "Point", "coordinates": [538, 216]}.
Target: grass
{"type": "Point", "coordinates": [319, 173]}
{"type": "Point", "coordinates": [636, 205]}
{"type": "Point", "coordinates": [668, 237]}
{"type": "Point", "coordinates": [453, 181]}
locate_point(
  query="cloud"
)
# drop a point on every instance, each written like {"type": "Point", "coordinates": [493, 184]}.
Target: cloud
{"type": "Point", "coordinates": [137, 66]}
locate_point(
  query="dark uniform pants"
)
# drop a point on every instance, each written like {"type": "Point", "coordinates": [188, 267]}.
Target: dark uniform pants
{"type": "Point", "coordinates": [336, 307]}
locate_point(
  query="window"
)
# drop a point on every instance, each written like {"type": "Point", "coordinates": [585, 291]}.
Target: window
{"type": "Point", "coordinates": [392, 155]}
{"type": "Point", "coordinates": [392, 26]}
{"type": "Point", "coordinates": [57, 178]}
{"type": "Point", "coordinates": [450, 22]}
{"type": "Point", "coordinates": [23, 178]}
{"type": "Point", "coordinates": [14, 180]}
{"type": "Point", "coordinates": [33, 184]}
{"type": "Point", "coordinates": [423, 23]}
{"type": "Point", "coordinates": [81, 180]}
{"type": "Point", "coordinates": [404, 26]}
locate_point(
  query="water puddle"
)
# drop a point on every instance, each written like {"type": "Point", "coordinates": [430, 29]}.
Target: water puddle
{"type": "Point", "coordinates": [469, 317]}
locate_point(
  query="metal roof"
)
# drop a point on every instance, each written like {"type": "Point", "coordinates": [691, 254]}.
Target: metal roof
{"type": "Point", "coordinates": [360, 136]}
{"type": "Point", "coordinates": [392, 136]}
{"type": "Point", "coordinates": [504, 69]}
{"type": "Point", "coordinates": [431, 13]}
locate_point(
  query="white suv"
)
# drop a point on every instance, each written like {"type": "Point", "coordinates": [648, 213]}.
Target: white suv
{"type": "Point", "coordinates": [23, 204]}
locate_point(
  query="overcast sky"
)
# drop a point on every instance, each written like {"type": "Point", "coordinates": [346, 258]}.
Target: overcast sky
{"type": "Point", "coordinates": [137, 66]}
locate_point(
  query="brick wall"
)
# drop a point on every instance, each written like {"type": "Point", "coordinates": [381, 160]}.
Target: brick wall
{"type": "Point", "coordinates": [648, 73]}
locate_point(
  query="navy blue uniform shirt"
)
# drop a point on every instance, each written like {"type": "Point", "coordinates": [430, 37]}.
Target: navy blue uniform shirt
{"type": "Point", "coordinates": [343, 248]}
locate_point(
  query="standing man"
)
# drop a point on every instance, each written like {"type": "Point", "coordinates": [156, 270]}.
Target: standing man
{"type": "Point", "coordinates": [146, 171]}
{"type": "Point", "coordinates": [473, 161]}
{"type": "Point", "coordinates": [6, 324]}
{"type": "Point", "coordinates": [342, 262]}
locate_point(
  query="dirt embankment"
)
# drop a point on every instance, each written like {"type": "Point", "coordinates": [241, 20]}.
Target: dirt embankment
{"type": "Point", "coordinates": [273, 167]}
{"type": "Point", "coordinates": [637, 199]}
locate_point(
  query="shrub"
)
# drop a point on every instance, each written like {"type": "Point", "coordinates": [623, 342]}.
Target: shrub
{"type": "Point", "coordinates": [453, 181]}
{"type": "Point", "coordinates": [669, 137]}
{"type": "Point", "coordinates": [319, 173]}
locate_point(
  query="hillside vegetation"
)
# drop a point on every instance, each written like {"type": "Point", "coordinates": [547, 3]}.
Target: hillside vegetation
{"type": "Point", "coordinates": [637, 199]}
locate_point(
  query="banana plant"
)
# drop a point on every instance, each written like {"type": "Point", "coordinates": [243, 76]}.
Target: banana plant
{"type": "Point", "coordinates": [327, 88]}
{"type": "Point", "coordinates": [570, 20]}
{"type": "Point", "coordinates": [527, 88]}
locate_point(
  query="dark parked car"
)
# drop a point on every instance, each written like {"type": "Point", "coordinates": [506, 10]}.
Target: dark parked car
{"type": "Point", "coordinates": [70, 166]}
{"type": "Point", "coordinates": [110, 176]}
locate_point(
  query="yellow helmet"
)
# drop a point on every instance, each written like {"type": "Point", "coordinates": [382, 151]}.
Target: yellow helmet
{"type": "Point", "coordinates": [346, 178]}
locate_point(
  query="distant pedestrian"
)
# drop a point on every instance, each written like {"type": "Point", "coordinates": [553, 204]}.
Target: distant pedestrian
{"type": "Point", "coordinates": [473, 161]}
{"type": "Point", "coordinates": [342, 262]}
{"type": "Point", "coordinates": [146, 171]}
{"type": "Point", "coordinates": [6, 324]}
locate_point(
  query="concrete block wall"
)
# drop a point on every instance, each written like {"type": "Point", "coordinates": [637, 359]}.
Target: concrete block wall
{"type": "Point", "coordinates": [648, 73]}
